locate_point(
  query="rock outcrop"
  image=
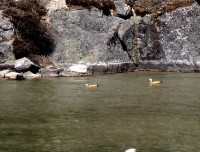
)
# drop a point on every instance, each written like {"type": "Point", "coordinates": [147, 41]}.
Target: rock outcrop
{"type": "Point", "coordinates": [6, 39]}
{"type": "Point", "coordinates": [179, 38]}
{"type": "Point", "coordinates": [13, 76]}
{"type": "Point", "coordinates": [89, 37]}
{"type": "Point", "coordinates": [135, 35]}
{"type": "Point", "coordinates": [24, 65]}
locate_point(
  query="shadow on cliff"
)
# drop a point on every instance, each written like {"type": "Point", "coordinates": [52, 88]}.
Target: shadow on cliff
{"type": "Point", "coordinates": [198, 2]}
{"type": "Point", "coordinates": [32, 37]}
{"type": "Point", "coordinates": [104, 5]}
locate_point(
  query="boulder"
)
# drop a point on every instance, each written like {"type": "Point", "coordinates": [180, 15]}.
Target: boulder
{"type": "Point", "coordinates": [3, 73]}
{"type": "Point", "coordinates": [24, 65]}
{"type": "Point", "coordinates": [13, 76]}
{"type": "Point", "coordinates": [30, 75]}
{"type": "Point", "coordinates": [78, 68]}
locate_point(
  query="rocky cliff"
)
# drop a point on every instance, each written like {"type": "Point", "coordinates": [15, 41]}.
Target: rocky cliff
{"type": "Point", "coordinates": [128, 36]}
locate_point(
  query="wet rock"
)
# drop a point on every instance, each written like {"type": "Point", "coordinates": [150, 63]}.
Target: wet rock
{"type": "Point", "coordinates": [67, 73]}
{"type": "Point", "coordinates": [152, 66]}
{"type": "Point", "coordinates": [50, 72]}
{"type": "Point", "coordinates": [111, 68]}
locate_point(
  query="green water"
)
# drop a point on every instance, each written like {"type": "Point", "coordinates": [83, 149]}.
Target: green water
{"type": "Point", "coordinates": [61, 115]}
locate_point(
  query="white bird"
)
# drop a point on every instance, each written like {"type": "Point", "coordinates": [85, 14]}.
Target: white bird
{"type": "Point", "coordinates": [131, 150]}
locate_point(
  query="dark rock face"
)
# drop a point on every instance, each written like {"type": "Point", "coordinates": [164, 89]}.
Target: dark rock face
{"type": "Point", "coordinates": [50, 72]}
{"type": "Point", "coordinates": [84, 36]}
{"type": "Point", "coordinates": [111, 68]}
{"type": "Point", "coordinates": [146, 41]}
{"type": "Point", "coordinates": [169, 43]}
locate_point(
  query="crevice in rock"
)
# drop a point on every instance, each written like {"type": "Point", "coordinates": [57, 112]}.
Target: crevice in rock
{"type": "Point", "coordinates": [125, 17]}
{"type": "Point", "coordinates": [141, 14]}
{"type": "Point", "coordinates": [105, 5]}
{"type": "Point", "coordinates": [198, 2]}
{"type": "Point", "coordinates": [106, 12]}
{"type": "Point", "coordinates": [124, 47]}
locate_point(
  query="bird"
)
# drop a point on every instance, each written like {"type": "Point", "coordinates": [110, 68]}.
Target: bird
{"type": "Point", "coordinates": [131, 150]}
{"type": "Point", "coordinates": [91, 85]}
{"type": "Point", "coordinates": [151, 82]}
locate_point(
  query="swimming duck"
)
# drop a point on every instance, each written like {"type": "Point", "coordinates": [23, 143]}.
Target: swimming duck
{"type": "Point", "coordinates": [151, 82]}
{"type": "Point", "coordinates": [91, 85]}
{"type": "Point", "coordinates": [131, 150]}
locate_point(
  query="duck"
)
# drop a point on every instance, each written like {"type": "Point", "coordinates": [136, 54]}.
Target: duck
{"type": "Point", "coordinates": [131, 150]}
{"type": "Point", "coordinates": [151, 82]}
{"type": "Point", "coordinates": [91, 85]}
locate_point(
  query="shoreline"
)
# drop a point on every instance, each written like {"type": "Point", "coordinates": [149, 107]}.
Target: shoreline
{"type": "Point", "coordinates": [25, 69]}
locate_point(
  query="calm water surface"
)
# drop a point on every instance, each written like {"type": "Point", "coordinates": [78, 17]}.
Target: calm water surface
{"type": "Point", "coordinates": [61, 115]}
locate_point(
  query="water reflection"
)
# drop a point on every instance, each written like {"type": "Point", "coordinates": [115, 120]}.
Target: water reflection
{"type": "Point", "coordinates": [124, 111]}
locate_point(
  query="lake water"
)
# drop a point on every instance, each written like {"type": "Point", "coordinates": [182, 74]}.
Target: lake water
{"type": "Point", "coordinates": [61, 115]}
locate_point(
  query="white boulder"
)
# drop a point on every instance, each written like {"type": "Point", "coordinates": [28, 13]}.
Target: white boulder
{"type": "Point", "coordinates": [13, 76]}
{"type": "Point", "coordinates": [78, 68]}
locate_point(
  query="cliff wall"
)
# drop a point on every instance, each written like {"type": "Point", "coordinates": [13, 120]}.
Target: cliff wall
{"type": "Point", "coordinates": [132, 35]}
